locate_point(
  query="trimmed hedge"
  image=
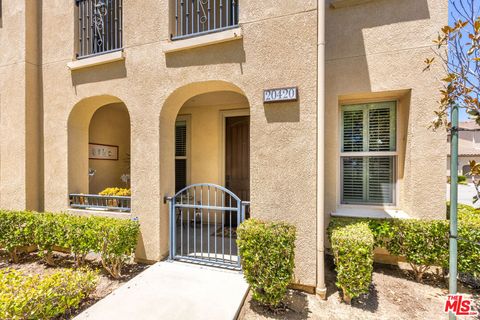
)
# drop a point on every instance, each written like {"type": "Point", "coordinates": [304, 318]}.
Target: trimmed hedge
{"type": "Point", "coordinates": [460, 180]}
{"type": "Point", "coordinates": [114, 239]}
{"type": "Point", "coordinates": [267, 250]}
{"type": "Point", "coordinates": [468, 247]}
{"type": "Point", "coordinates": [465, 212]}
{"type": "Point", "coordinates": [34, 297]}
{"type": "Point", "coordinates": [16, 231]}
{"type": "Point", "coordinates": [425, 243]}
{"type": "Point", "coordinates": [352, 246]}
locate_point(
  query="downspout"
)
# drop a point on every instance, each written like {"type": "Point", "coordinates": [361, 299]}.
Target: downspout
{"type": "Point", "coordinates": [321, 289]}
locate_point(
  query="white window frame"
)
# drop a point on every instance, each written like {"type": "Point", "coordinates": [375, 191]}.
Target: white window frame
{"type": "Point", "coordinates": [394, 154]}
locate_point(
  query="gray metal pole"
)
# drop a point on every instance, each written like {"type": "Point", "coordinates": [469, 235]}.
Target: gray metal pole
{"type": "Point", "coordinates": [453, 203]}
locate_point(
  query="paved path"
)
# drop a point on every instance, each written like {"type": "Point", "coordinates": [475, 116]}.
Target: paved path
{"type": "Point", "coordinates": [465, 194]}
{"type": "Point", "coordinates": [174, 290]}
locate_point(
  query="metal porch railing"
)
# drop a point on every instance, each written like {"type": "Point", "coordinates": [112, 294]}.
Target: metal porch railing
{"type": "Point", "coordinates": [97, 202]}
{"type": "Point", "coordinates": [99, 27]}
{"type": "Point", "coordinates": [196, 17]}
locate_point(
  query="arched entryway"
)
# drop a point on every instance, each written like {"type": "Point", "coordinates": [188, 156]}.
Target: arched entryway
{"type": "Point", "coordinates": [205, 142]}
{"type": "Point", "coordinates": [99, 155]}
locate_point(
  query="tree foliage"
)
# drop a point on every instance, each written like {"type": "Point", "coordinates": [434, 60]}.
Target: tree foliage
{"type": "Point", "coordinates": [458, 50]}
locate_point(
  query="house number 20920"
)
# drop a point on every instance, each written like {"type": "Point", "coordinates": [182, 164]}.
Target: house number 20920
{"type": "Point", "coordinates": [280, 95]}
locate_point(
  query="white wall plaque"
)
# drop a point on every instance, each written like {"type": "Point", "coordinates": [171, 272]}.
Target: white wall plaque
{"type": "Point", "coordinates": [102, 152]}
{"type": "Point", "coordinates": [280, 95]}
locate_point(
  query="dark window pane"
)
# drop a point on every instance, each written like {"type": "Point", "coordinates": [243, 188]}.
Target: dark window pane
{"type": "Point", "coordinates": [180, 174]}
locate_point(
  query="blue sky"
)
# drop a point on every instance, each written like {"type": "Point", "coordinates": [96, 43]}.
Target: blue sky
{"type": "Point", "coordinates": [463, 114]}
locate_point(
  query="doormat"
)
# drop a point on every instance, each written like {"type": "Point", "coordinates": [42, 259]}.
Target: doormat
{"type": "Point", "coordinates": [226, 232]}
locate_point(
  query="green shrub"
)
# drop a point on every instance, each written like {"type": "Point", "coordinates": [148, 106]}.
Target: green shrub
{"type": "Point", "coordinates": [16, 231]}
{"type": "Point", "coordinates": [114, 239]}
{"type": "Point", "coordinates": [82, 237]}
{"type": "Point", "coordinates": [49, 232]}
{"type": "Point", "coordinates": [381, 228]}
{"type": "Point", "coordinates": [461, 179]}
{"type": "Point", "coordinates": [34, 297]}
{"type": "Point", "coordinates": [118, 241]}
{"type": "Point", "coordinates": [465, 212]}
{"type": "Point", "coordinates": [423, 243]}
{"type": "Point", "coordinates": [468, 247]}
{"type": "Point", "coordinates": [352, 246]}
{"type": "Point", "coordinates": [267, 251]}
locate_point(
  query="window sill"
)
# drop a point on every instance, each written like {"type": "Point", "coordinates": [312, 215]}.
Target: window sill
{"type": "Point", "coordinates": [101, 213]}
{"type": "Point", "coordinates": [337, 4]}
{"type": "Point", "coordinates": [96, 60]}
{"type": "Point", "coordinates": [369, 212]}
{"type": "Point", "coordinates": [203, 40]}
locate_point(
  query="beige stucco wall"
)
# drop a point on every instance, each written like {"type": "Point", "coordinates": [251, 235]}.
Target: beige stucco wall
{"type": "Point", "coordinates": [204, 115]}
{"type": "Point", "coordinates": [20, 106]}
{"type": "Point", "coordinates": [150, 84]}
{"type": "Point", "coordinates": [370, 58]}
{"type": "Point", "coordinates": [110, 125]}
{"type": "Point", "coordinates": [366, 53]}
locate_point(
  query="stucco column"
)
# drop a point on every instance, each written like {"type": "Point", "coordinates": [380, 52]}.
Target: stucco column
{"type": "Point", "coordinates": [321, 288]}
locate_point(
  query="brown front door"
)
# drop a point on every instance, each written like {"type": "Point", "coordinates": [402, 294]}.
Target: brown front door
{"type": "Point", "coordinates": [237, 156]}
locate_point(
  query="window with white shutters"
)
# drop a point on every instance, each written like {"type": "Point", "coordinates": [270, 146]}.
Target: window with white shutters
{"type": "Point", "coordinates": [181, 152]}
{"type": "Point", "coordinates": [368, 153]}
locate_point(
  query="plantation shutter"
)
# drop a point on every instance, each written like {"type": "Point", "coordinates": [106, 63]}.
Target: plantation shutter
{"type": "Point", "coordinates": [381, 128]}
{"type": "Point", "coordinates": [352, 130]}
{"type": "Point", "coordinates": [181, 139]}
{"type": "Point", "coordinates": [353, 182]}
{"type": "Point", "coordinates": [180, 155]}
{"type": "Point", "coordinates": [368, 179]}
{"type": "Point", "coordinates": [380, 180]}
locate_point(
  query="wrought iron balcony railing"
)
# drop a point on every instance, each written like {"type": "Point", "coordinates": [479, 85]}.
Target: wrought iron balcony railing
{"type": "Point", "coordinates": [99, 27]}
{"type": "Point", "coordinates": [97, 202]}
{"type": "Point", "coordinates": [196, 17]}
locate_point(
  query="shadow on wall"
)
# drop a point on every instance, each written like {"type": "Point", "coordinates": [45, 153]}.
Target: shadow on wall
{"type": "Point", "coordinates": [221, 53]}
{"type": "Point", "coordinates": [109, 71]}
{"type": "Point", "coordinates": [282, 111]}
{"type": "Point", "coordinates": [349, 41]}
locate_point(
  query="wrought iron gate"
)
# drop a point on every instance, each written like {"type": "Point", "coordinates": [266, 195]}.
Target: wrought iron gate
{"type": "Point", "coordinates": [203, 225]}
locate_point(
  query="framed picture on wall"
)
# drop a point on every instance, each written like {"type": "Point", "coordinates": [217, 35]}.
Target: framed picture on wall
{"type": "Point", "coordinates": [98, 151]}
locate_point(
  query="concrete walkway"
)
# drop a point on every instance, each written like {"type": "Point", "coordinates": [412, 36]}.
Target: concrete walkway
{"type": "Point", "coordinates": [174, 290]}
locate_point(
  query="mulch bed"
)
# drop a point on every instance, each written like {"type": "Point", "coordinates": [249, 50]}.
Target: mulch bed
{"type": "Point", "coordinates": [394, 294]}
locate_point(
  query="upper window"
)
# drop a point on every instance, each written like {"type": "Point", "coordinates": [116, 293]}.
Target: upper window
{"type": "Point", "coordinates": [99, 27]}
{"type": "Point", "coordinates": [368, 153]}
{"type": "Point", "coordinates": [196, 17]}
